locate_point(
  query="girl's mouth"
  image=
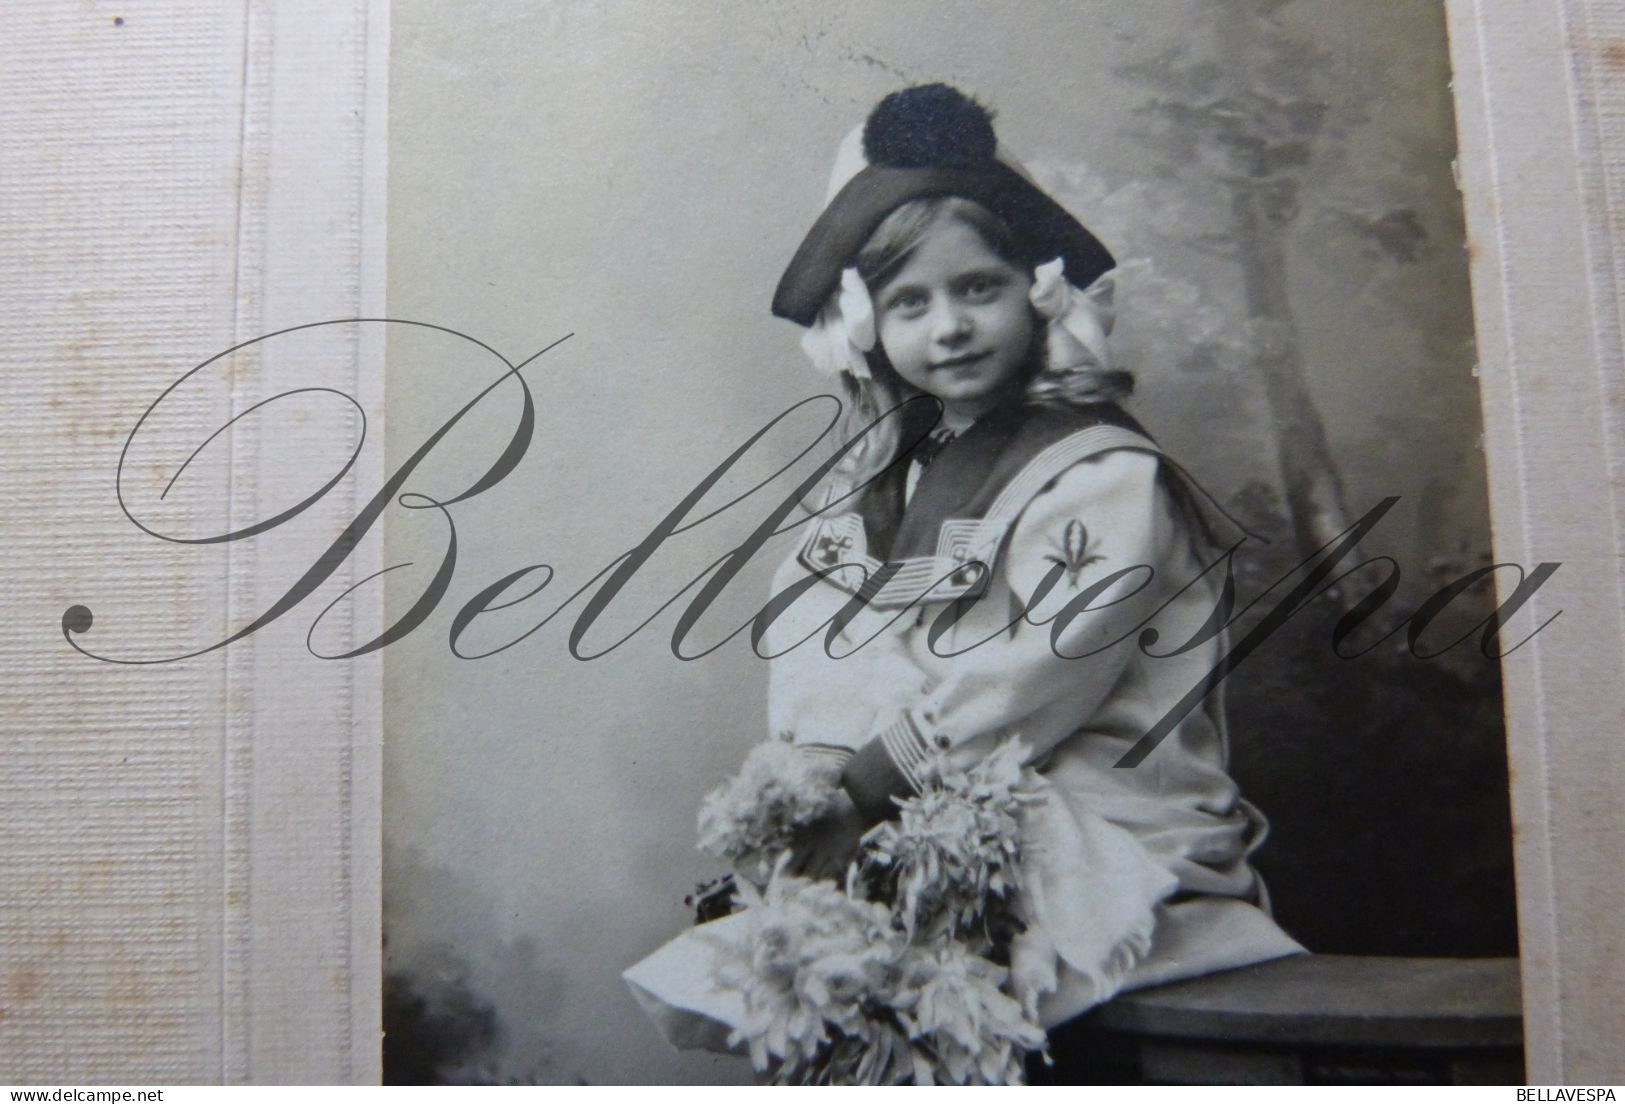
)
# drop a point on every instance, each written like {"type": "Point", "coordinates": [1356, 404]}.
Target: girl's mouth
{"type": "Point", "coordinates": [959, 361]}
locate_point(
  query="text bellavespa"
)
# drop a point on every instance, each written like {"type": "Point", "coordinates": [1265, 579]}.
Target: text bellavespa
{"type": "Point", "coordinates": [1298, 587]}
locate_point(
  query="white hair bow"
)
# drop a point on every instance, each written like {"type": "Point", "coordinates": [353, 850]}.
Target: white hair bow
{"type": "Point", "coordinates": [1079, 321]}
{"type": "Point", "coordinates": [844, 331]}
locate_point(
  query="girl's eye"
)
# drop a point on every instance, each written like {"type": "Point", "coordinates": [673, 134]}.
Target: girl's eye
{"type": "Point", "coordinates": [981, 286]}
{"type": "Point", "coordinates": [907, 302]}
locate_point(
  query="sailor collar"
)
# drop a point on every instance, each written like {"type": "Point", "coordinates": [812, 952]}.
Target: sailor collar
{"type": "Point", "coordinates": [946, 541]}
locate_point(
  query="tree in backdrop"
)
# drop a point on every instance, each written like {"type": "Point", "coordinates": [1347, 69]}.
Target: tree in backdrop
{"type": "Point", "coordinates": [1385, 776]}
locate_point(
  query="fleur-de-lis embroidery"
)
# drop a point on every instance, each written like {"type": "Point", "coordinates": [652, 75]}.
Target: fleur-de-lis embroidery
{"type": "Point", "coordinates": [1072, 551]}
{"type": "Point", "coordinates": [829, 549]}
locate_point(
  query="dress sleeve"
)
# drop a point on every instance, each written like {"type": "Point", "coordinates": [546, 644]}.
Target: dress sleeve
{"type": "Point", "coordinates": [824, 702]}
{"type": "Point", "coordinates": [1091, 548]}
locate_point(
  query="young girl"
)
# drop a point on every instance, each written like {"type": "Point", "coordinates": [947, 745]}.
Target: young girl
{"type": "Point", "coordinates": [989, 550]}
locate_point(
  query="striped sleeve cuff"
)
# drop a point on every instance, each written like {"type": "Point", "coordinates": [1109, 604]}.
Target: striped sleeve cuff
{"type": "Point", "coordinates": [907, 749]}
{"type": "Point", "coordinates": [887, 767]}
{"type": "Point", "coordinates": [833, 754]}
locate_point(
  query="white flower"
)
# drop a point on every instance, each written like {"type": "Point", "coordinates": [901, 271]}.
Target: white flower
{"type": "Point", "coordinates": [839, 989]}
{"type": "Point", "coordinates": [951, 859]}
{"type": "Point", "coordinates": [777, 790]}
{"type": "Point", "coordinates": [978, 1034]}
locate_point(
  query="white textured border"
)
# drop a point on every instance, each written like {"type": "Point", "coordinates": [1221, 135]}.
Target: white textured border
{"type": "Point", "coordinates": [304, 749]}
{"type": "Point", "coordinates": [189, 881]}
{"type": "Point", "coordinates": [210, 170]}
{"type": "Point", "coordinates": [302, 967]}
{"type": "Point", "coordinates": [1542, 136]}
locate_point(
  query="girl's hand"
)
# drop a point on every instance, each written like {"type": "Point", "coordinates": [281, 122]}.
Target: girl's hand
{"type": "Point", "coordinates": [824, 848]}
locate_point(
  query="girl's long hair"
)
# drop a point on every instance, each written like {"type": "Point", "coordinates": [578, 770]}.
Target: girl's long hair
{"type": "Point", "coordinates": [869, 404]}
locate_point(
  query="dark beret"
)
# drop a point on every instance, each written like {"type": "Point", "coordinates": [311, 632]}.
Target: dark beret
{"type": "Point", "coordinates": [931, 140]}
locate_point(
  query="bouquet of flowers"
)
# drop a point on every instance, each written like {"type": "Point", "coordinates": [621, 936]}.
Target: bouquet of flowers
{"type": "Point", "coordinates": [901, 975]}
{"type": "Point", "coordinates": [751, 819]}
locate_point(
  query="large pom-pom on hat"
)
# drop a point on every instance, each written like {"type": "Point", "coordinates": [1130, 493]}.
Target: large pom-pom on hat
{"type": "Point", "coordinates": [929, 125]}
{"type": "Point", "coordinates": [929, 140]}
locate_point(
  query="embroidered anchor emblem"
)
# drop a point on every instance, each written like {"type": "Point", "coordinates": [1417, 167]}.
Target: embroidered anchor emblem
{"type": "Point", "coordinates": [828, 549]}
{"type": "Point", "coordinates": [1072, 551]}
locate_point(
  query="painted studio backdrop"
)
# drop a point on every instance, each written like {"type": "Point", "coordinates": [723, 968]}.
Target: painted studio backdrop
{"type": "Point", "coordinates": [1275, 180]}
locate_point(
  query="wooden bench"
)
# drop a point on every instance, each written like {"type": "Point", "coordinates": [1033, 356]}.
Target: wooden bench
{"type": "Point", "coordinates": [1311, 1019]}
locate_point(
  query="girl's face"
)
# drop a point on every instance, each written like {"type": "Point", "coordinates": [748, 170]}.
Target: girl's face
{"type": "Point", "coordinates": [955, 321]}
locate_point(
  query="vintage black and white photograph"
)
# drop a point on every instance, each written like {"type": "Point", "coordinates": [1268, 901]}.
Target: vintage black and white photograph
{"type": "Point", "coordinates": [968, 548]}
{"type": "Point", "coordinates": [688, 544]}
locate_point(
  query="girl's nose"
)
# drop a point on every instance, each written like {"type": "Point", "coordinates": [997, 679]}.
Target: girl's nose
{"type": "Point", "coordinates": [951, 324]}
